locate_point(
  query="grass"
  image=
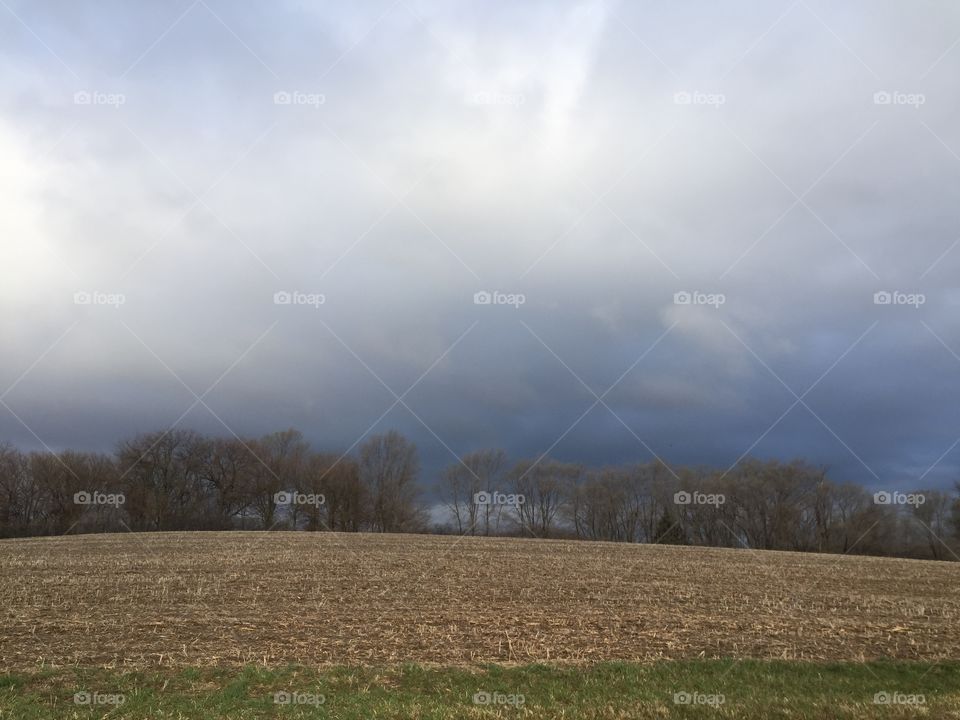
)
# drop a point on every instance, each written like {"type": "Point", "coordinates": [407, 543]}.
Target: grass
{"type": "Point", "coordinates": [614, 690]}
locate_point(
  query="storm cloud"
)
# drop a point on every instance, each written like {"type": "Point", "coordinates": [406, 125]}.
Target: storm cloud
{"type": "Point", "coordinates": [706, 230]}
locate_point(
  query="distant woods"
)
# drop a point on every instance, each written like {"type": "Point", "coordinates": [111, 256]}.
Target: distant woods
{"type": "Point", "coordinates": [182, 480]}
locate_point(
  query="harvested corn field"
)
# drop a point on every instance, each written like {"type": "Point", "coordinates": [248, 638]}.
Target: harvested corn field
{"type": "Point", "coordinates": [233, 599]}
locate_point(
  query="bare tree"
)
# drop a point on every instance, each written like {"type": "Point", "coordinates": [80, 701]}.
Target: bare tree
{"type": "Point", "coordinates": [20, 497]}
{"type": "Point", "coordinates": [651, 491]}
{"type": "Point", "coordinates": [546, 487]}
{"type": "Point", "coordinates": [862, 526]}
{"type": "Point", "coordinates": [477, 472]}
{"type": "Point", "coordinates": [163, 480]}
{"type": "Point", "coordinates": [601, 507]}
{"type": "Point", "coordinates": [388, 469]}
{"type": "Point", "coordinates": [955, 512]}
{"type": "Point", "coordinates": [774, 504]}
{"type": "Point", "coordinates": [337, 479]}
{"type": "Point", "coordinates": [281, 459]}
{"type": "Point", "coordinates": [228, 470]}
{"type": "Point", "coordinates": [933, 517]}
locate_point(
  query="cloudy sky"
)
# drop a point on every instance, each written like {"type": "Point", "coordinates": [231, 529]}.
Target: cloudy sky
{"type": "Point", "coordinates": [683, 213]}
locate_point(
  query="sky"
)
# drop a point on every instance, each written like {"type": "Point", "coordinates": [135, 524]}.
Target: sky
{"type": "Point", "coordinates": [706, 230]}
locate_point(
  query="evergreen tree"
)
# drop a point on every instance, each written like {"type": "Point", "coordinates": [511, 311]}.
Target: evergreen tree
{"type": "Point", "coordinates": [669, 531]}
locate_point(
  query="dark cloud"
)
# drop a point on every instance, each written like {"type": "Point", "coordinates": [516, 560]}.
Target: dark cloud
{"type": "Point", "coordinates": [595, 158]}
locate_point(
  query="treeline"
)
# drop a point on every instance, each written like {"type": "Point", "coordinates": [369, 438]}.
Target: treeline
{"type": "Point", "coordinates": [765, 505]}
{"type": "Point", "coordinates": [182, 480]}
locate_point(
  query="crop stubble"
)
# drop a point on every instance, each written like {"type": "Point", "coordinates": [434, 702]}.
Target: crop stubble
{"type": "Point", "coordinates": [230, 599]}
